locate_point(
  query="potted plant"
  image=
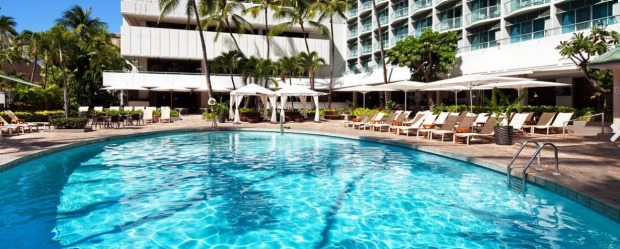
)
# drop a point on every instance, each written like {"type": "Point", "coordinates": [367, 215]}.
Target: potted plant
{"type": "Point", "coordinates": [221, 110]}
{"type": "Point", "coordinates": [501, 105]}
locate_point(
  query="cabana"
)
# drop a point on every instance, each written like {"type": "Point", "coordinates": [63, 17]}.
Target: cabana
{"type": "Point", "coordinates": [302, 93]}
{"type": "Point", "coordinates": [251, 90]}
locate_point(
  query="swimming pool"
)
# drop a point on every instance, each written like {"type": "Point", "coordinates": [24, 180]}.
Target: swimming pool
{"type": "Point", "coordinates": [261, 189]}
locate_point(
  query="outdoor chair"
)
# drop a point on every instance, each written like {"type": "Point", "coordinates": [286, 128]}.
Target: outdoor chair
{"type": "Point", "coordinates": [518, 120]}
{"type": "Point", "coordinates": [384, 124]}
{"type": "Point", "coordinates": [115, 108]}
{"type": "Point", "coordinates": [448, 125]}
{"type": "Point", "coordinates": [165, 115]}
{"type": "Point", "coordinates": [31, 124]}
{"type": "Point", "coordinates": [465, 125]}
{"type": "Point", "coordinates": [441, 118]}
{"type": "Point", "coordinates": [428, 120]}
{"type": "Point", "coordinates": [481, 119]}
{"type": "Point", "coordinates": [347, 123]}
{"type": "Point", "coordinates": [98, 108]}
{"type": "Point", "coordinates": [375, 120]}
{"type": "Point", "coordinates": [147, 116]}
{"type": "Point", "coordinates": [415, 122]}
{"type": "Point", "coordinates": [561, 120]}
{"type": "Point", "coordinates": [128, 108]}
{"type": "Point", "coordinates": [487, 132]}
{"type": "Point", "coordinates": [544, 120]}
{"type": "Point", "coordinates": [9, 129]}
{"type": "Point", "coordinates": [20, 126]}
{"type": "Point", "coordinates": [116, 121]}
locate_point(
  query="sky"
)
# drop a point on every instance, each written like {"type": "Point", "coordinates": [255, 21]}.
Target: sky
{"type": "Point", "coordinates": [40, 15]}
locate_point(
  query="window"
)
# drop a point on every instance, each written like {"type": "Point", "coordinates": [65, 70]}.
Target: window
{"type": "Point", "coordinates": [584, 18]}
{"type": "Point", "coordinates": [482, 40]}
{"type": "Point", "coordinates": [364, 63]}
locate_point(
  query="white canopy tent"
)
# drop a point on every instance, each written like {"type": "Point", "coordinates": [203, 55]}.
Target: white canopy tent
{"type": "Point", "coordinates": [251, 90]}
{"type": "Point", "coordinates": [365, 89]}
{"type": "Point", "coordinates": [405, 86]}
{"type": "Point", "coordinates": [471, 81]}
{"type": "Point", "coordinates": [302, 93]}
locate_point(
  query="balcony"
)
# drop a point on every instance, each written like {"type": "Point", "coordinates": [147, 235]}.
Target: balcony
{"type": "Point", "coordinates": [383, 20]}
{"type": "Point", "coordinates": [516, 5]}
{"type": "Point", "coordinates": [353, 12]}
{"type": "Point", "coordinates": [601, 22]}
{"type": "Point", "coordinates": [449, 24]}
{"type": "Point", "coordinates": [421, 5]}
{"type": "Point", "coordinates": [528, 36]}
{"type": "Point", "coordinates": [352, 32]}
{"type": "Point", "coordinates": [386, 43]}
{"type": "Point", "coordinates": [366, 5]}
{"type": "Point", "coordinates": [366, 49]}
{"type": "Point", "coordinates": [399, 13]}
{"type": "Point", "coordinates": [418, 32]}
{"type": "Point", "coordinates": [484, 14]}
{"type": "Point", "coordinates": [442, 2]}
{"type": "Point", "coordinates": [366, 27]}
{"type": "Point", "coordinates": [353, 52]}
{"type": "Point", "coordinates": [483, 45]}
{"type": "Point", "coordinates": [397, 38]}
{"type": "Point", "coordinates": [185, 44]}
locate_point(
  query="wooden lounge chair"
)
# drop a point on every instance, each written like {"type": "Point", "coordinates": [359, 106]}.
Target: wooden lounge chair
{"type": "Point", "coordinates": [448, 125]}
{"type": "Point", "coordinates": [427, 121]}
{"type": "Point", "coordinates": [560, 122]}
{"type": "Point", "coordinates": [416, 122]}
{"type": "Point", "coordinates": [467, 123]}
{"type": "Point", "coordinates": [487, 132]}
{"type": "Point", "coordinates": [544, 120]}
{"type": "Point", "coordinates": [362, 121]}
{"type": "Point", "coordinates": [16, 120]}
{"type": "Point", "coordinates": [375, 120]}
{"type": "Point", "coordinates": [348, 123]}
{"type": "Point", "coordinates": [386, 123]}
{"type": "Point", "coordinates": [16, 128]}
{"type": "Point", "coordinates": [8, 129]}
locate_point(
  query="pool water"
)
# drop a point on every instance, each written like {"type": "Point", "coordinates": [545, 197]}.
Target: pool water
{"type": "Point", "coordinates": [268, 190]}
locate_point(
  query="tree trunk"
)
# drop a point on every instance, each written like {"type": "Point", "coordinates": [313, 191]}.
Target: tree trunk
{"type": "Point", "coordinates": [331, 70]}
{"type": "Point", "coordinates": [233, 37]}
{"type": "Point", "coordinates": [303, 30]}
{"type": "Point", "coordinates": [65, 88]}
{"type": "Point", "coordinates": [205, 65]}
{"type": "Point", "coordinates": [584, 68]}
{"type": "Point", "coordinates": [232, 80]}
{"type": "Point", "coordinates": [374, 9]}
{"type": "Point", "coordinates": [46, 74]}
{"type": "Point", "coordinates": [34, 67]}
{"type": "Point", "coordinates": [267, 31]}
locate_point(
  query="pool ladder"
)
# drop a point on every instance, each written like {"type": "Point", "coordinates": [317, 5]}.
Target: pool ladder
{"type": "Point", "coordinates": [536, 155]}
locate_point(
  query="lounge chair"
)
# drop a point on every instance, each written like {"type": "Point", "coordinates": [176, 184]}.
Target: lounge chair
{"type": "Point", "coordinates": [544, 120]}
{"type": "Point", "coordinates": [399, 120]}
{"type": "Point", "coordinates": [165, 115]}
{"type": "Point", "coordinates": [365, 118]}
{"type": "Point", "coordinates": [481, 119]}
{"type": "Point", "coordinates": [9, 129]}
{"type": "Point", "coordinates": [385, 123]}
{"type": "Point", "coordinates": [115, 108]}
{"type": "Point", "coordinates": [560, 122]}
{"type": "Point", "coordinates": [518, 121]}
{"type": "Point", "coordinates": [128, 108]}
{"type": "Point", "coordinates": [487, 132]}
{"type": "Point", "coordinates": [83, 109]}
{"type": "Point", "coordinates": [348, 123]}
{"type": "Point", "coordinates": [441, 118]}
{"type": "Point", "coordinates": [15, 119]}
{"type": "Point", "coordinates": [462, 116]}
{"type": "Point", "coordinates": [448, 125]}
{"type": "Point", "coordinates": [147, 116]}
{"type": "Point", "coordinates": [414, 123]}
{"type": "Point", "coordinates": [16, 127]}
{"type": "Point", "coordinates": [98, 108]}
{"type": "Point", "coordinates": [375, 120]}
{"type": "Point", "coordinates": [467, 123]}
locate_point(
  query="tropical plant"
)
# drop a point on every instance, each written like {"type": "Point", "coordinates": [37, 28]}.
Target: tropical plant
{"type": "Point", "coordinates": [7, 29]}
{"type": "Point", "coordinates": [41, 98]}
{"type": "Point", "coordinates": [328, 9]}
{"type": "Point", "coordinates": [581, 48]}
{"type": "Point", "coordinates": [262, 6]}
{"type": "Point", "coordinates": [206, 7]}
{"type": "Point", "coordinates": [227, 14]}
{"type": "Point", "coordinates": [501, 104]}
{"type": "Point", "coordinates": [379, 31]}
{"type": "Point", "coordinates": [259, 70]}
{"type": "Point", "coordinates": [298, 12]}
{"type": "Point", "coordinates": [229, 62]}
{"type": "Point", "coordinates": [311, 63]}
{"type": "Point", "coordinates": [287, 67]}
{"type": "Point", "coordinates": [80, 21]}
{"type": "Point", "coordinates": [61, 40]}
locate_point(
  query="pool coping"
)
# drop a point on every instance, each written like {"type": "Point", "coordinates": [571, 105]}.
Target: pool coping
{"type": "Point", "coordinates": [595, 205]}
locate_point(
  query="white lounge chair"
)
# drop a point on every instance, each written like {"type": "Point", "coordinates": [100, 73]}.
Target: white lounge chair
{"type": "Point", "coordinates": [83, 109]}
{"type": "Point", "coordinates": [165, 115]}
{"type": "Point", "coordinates": [544, 120]}
{"type": "Point", "coordinates": [115, 108]}
{"type": "Point", "coordinates": [560, 122]}
{"type": "Point", "coordinates": [375, 120]}
{"type": "Point", "coordinates": [147, 115]}
{"type": "Point", "coordinates": [487, 132]}
{"type": "Point", "coordinates": [98, 108]}
{"type": "Point", "coordinates": [22, 122]}
{"type": "Point", "coordinates": [428, 120]}
{"type": "Point", "coordinates": [441, 118]}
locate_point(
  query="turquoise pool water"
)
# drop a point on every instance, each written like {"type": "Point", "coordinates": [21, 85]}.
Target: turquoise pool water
{"type": "Point", "coordinates": [267, 190]}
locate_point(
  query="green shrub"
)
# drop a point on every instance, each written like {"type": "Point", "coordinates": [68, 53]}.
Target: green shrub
{"type": "Point", "coordinates": [246, 110]}
{"type": "Point", "coordinates": [69, 123]}
{"type": "Point", "coordinates": [33, 116]}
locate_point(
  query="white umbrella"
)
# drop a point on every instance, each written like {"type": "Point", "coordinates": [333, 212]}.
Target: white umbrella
{"type": "Point", "coordinates": [170, 89]}
{"type": "Point", "coordinates": [214, 88]}
{"type": "Point", "coordinates": [365, 89]}
{"type": "Point", "coordinates": [123, 87]}
{"type": "Point", "coordinates": [455, 90]}
{"type": "Point", "coordinates": [519, 85]}
{"type": "Point", "coordinates": [406, 86]}
{"type": "Point", "coordinates": [471, 81]}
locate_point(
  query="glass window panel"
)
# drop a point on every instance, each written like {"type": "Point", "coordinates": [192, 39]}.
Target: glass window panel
{"type": "Point", "coordinates": [582, 14]}
{"type": "Point", "coordinates": [599, 11]}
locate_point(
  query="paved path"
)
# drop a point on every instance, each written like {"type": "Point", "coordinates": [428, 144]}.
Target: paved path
{"type": "Point", "coordinates": [589, 166]}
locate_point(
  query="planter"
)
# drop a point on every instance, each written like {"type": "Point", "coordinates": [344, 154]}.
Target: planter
{"type": "Point", "coordinates": [503, 135]}
{"type": "Point", "coordinates": [155, 118]}
{"type": "Point", "coordinates": [221, 118]}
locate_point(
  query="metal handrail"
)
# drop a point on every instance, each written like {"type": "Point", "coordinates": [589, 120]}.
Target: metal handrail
{"type": "Point", "coordinates": [517, 154]}
{"type": "Point", "coordinates": [589, 116]}
{"type": "Point", "coordinates": [537, 153]}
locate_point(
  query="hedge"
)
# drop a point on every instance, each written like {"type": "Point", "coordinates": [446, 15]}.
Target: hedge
{"type": "Point", "coordinates": [69, 123]}
{"type": "Point", "coordinates": [33, 116]}
{"type": "Point", "coordinates": [537, 110]}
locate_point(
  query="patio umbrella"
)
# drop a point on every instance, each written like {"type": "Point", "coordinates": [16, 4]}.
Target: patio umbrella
{"type": "Point", "coordinates": [365, 89]}
{"type": "Point", "coordinates": [471, 81]}
{"type": "Point", "coordinates": [122, 88]}
{"type": "Point", "coordinates": [520, 85]}
{"type": "Point", "coordinates": [406, 86]}
{"type": "Point", "coordinates": [171, 89]}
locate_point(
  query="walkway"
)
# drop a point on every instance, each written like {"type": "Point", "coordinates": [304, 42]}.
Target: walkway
{"type": "Point", "coordinates": [588, 165]}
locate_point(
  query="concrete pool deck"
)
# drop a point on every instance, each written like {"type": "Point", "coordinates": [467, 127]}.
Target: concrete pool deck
{"type": "Point", "coordinates": [589, 167]}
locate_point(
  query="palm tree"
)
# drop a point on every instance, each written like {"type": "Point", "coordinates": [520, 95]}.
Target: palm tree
{"type": "Point", "coordinates": [229, 62]}
{"type": "Point", "coordinates": [287, 67]}
{"type": "Point", "coordinates": [227, 10]}
{"type": "Point", "coordinates": [61, 39]}
{"type": "Point", "coordinates": [32, 43]}
{"type": "Point", "coordinates": [259, 70]}
{"type": "Point", "coordinates": [262, 6]}
{"type": "Point", "coordinates": [374, 9]}
{"type": "Point", "coordinates": [329, 9]}
{"type": "Point", "coordinates": [298, 12]}
{"type": "Point", "coordinates": [80, 21]}
{"type": "Point", "coordinates": [191, 8]}
{"type": "Point", "coordinates": [7, 29]}
{"type": "Point", "coordinates": [311, 62]}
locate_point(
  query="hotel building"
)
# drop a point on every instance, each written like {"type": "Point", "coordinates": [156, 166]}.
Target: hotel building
{"type": "Point", "coordinates": [497, 37]}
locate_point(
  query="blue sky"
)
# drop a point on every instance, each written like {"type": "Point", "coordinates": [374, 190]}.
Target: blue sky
{"type": "Point", "coordinates": [39, 15]}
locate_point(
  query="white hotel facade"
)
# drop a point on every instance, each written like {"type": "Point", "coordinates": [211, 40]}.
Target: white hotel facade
{"type": "Point", "coordinates": [498, 37]}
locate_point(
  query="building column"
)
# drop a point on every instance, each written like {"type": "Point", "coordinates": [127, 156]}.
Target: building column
{"type": "Point", "coordinates": [616, 97]}
{"type": "Point", "coordinates": [354, 99]}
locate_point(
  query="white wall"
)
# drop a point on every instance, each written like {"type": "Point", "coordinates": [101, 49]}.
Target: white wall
{"type": "Point", "coordinates": [185, 44]}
